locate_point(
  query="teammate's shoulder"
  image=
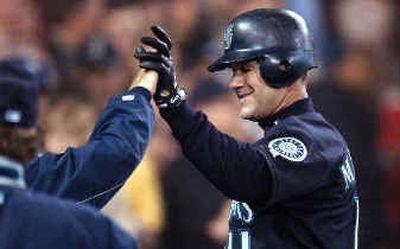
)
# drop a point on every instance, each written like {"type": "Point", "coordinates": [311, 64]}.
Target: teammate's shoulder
{"type": "Point", "coordinates": [49, 206]}
{"type": "Point", "coordinates": [59, 223]}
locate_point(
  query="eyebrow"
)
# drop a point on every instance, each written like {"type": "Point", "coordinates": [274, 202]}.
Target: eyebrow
{"type": "Point", "coordinates": [247, 65]}
{"type": "Point", "coordinates": [243, 65]}
{"type": "Point", "coordinates": [240, 65]}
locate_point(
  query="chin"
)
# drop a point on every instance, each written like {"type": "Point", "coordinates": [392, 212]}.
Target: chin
{"type": "Point", "coordinates": [246, 114]}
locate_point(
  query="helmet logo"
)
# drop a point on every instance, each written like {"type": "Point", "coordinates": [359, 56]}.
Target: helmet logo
{"type": "Point", "coordinates": [228, 36]}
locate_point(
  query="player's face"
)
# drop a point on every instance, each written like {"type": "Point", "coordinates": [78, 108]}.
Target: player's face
{"type": "Point", "coordinates": [257, 99]}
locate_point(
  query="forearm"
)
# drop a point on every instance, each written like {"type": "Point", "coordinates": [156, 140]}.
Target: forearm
{"type": "Point", "coordinates": [236, 168]}
{"type": "Point", "coordinates": [94, 172]}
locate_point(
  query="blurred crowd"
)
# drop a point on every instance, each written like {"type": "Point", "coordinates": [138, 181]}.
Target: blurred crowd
{"type": "Point", "coordinates": [82, 51]}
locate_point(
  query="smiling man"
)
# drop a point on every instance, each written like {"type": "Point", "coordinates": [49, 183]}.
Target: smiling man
{"type": "Point", "coordinates": [295, 187]}
{"type": "Point", "coordinates": [257, 100]}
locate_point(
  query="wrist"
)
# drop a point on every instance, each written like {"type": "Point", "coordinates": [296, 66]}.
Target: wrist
{"type": "Point", "coordinates": [138, 90]}
{"type": "Point", "coordinates": [146, 79]}
{"type": "Point", "coordinates": [174, 99]}
{"type": "Point", "coordinates": [148, 87]}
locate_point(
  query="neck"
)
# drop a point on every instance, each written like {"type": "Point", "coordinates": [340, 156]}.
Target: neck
{"type": "Point", "coordinates": [295, 93]}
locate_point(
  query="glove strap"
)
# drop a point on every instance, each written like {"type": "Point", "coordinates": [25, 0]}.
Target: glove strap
{"type": "Point", "coordinates": [172, 100]}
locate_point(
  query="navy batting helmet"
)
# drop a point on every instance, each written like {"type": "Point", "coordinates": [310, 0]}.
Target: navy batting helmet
{"type": "Point", "coordinates": [19, 93]}
{"type": "Point", "coordinates": [278, 38]}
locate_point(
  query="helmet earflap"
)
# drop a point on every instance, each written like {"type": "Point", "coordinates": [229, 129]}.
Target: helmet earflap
{"type": "Point", "coordinates": [280, 72]}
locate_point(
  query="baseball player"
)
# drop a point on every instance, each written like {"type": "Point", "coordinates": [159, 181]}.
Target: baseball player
{"type": "Point", "coordinates": [94, 172]}
{"type": "Point", "coordinates": [295, 187]}
{"type": "Point", "coordinates": [34, 220]}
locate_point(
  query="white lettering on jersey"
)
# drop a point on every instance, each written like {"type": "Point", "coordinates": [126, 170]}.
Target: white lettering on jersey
{"type": "Point", "coordinates": [347, 171]}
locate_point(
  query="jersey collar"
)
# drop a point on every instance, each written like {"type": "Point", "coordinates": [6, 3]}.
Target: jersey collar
{"type": "Point", "coordinates": [11, 173]}
{"type": "Point", "coordinates": [298, 107]}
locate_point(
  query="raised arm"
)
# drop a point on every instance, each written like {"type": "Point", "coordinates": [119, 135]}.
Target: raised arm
{"type": "Point", "coordinates": [236, 168]}
{"type": "Point", "coordinates": [94, 172]}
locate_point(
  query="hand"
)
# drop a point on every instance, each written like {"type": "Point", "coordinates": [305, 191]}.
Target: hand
{"type": "Point", "coordinates": [146, 79]}
{"type": "Point", "coordinates": [159, 59]}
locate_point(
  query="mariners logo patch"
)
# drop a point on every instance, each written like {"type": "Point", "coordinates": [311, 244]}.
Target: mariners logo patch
{"type": "Point", "coordinates": [289, 148]}
{"type": "Point", "coordinates": [228, 36]}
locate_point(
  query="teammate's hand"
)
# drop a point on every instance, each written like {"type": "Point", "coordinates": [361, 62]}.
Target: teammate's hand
{"type": "Point", "coordinates": [146, 79]}
{"type": "Point", "coordinates": [158, 59]}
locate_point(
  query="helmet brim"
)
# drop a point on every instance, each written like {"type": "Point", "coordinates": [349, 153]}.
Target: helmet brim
{"type": "Point", "coordinates": [220, 64]}
{"type": "Point", "coordinates": [230, 58]}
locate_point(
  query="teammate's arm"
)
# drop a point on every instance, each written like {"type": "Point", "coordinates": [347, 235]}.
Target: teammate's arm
{"type": "Point", "coordinates": [95, 171]}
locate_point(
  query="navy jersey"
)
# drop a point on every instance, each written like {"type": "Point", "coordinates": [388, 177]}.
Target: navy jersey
{"type": "Point", "coordinates": [94, 172]}
{"type": "Point", "coordinates": [294, 188]}
{"type": "Point", "coordinates": [30, 220]}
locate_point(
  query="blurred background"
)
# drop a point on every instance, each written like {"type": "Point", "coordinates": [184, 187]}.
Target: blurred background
{"type": "Point", "coordinates": [81, 50]}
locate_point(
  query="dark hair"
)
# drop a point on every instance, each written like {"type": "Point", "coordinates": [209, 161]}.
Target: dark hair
{"type": "Point", "coordinates": [19, 144]}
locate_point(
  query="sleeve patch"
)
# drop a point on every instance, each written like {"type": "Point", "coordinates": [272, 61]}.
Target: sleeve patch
{"type": "Point", "coordinates": [289, 148]}
{"type": "Point", "coordinates": [129, 97]}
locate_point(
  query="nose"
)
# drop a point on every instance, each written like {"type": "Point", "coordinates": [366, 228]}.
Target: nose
{"type": "Point", "coordinates": [236, 81]}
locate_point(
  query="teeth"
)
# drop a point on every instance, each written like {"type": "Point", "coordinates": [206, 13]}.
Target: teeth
{"type": "Point", "coordinates": [243, 94]}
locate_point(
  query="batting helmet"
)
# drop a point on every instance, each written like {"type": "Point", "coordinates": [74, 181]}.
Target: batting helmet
{"type": "Point", "coordinates": [278, 38]}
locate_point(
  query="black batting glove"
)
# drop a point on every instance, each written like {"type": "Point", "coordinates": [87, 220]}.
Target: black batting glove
{"type": "Point", "coordinates": [167, 93]}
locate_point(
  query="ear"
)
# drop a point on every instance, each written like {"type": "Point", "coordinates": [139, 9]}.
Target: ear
{"type": "Point", "coordinates": [304, 78]}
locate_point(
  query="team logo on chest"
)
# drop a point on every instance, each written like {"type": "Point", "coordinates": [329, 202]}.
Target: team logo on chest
{"type": "Point", "coordinates": [289, 148]}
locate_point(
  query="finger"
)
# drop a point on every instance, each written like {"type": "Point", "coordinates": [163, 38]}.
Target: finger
{"type": "Point", "coordinates": [149, 56]}
{"type": "Point", "coordinates": [157, 44]}
{"type": "Point", "coordinates": [156, 66]}
{"type": "Point", "coordinates": [139, 51]}
{"type": "Point", "coordinates": [161, 34]}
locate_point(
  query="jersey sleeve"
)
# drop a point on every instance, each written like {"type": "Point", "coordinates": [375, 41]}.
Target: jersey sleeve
{"type": "Point", "coordinates": [237, 169]}
{"type": "Point", "coordinates": [286, 164]}
{"type": "Point", "coordinates": [94, 172]}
